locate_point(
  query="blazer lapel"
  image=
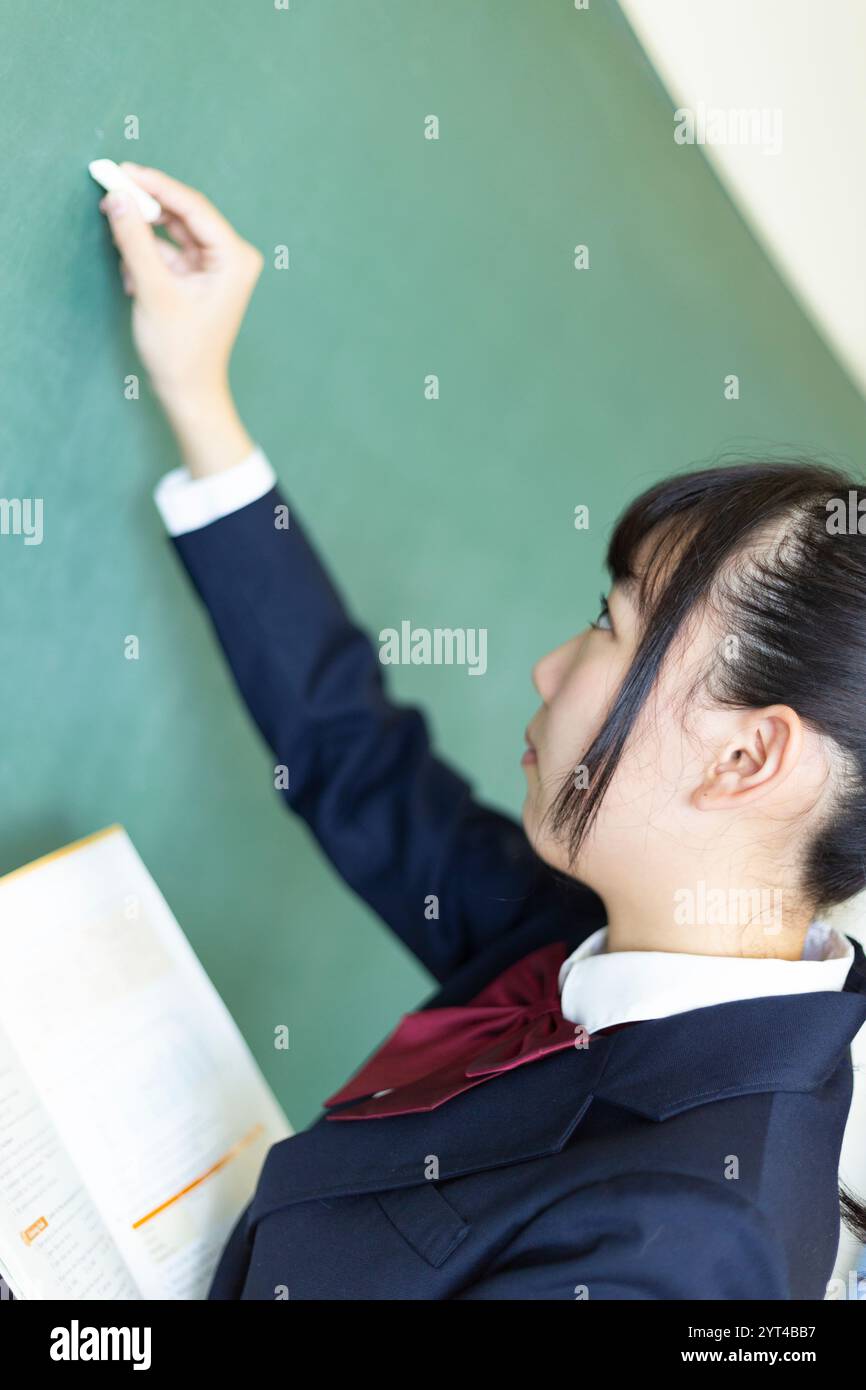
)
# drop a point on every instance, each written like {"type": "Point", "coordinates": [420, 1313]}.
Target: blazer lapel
{"type": "Point", "coordinates": [656, 1068]}
{"type": "Point", "coordinates": [520, 1114]}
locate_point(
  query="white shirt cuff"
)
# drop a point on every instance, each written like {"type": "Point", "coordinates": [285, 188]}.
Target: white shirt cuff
{"type": "Point", "coordinates": [187, 504]}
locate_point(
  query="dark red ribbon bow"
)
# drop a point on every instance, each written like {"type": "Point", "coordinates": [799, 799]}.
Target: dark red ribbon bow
{"type": "Point", "coordinates": [435, 1054]}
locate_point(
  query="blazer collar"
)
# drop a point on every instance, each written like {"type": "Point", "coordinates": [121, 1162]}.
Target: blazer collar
{"type": "Point", "coordinates": [656, 1069]}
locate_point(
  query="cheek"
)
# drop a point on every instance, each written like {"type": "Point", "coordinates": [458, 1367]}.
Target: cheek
{"type": "Point", "coordinates": [573, 718]}
{"type": "Point", "coordinates": [647, 789]}
{"type": "Point", "coordinates": [577, 713]}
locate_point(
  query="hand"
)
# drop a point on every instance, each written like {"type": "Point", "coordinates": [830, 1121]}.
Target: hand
{"type": "Point", "coordinates": [189, 298]}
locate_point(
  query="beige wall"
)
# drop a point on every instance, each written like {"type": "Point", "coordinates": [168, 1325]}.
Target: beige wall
{"type": "Point", "coordinates": [807, 203]}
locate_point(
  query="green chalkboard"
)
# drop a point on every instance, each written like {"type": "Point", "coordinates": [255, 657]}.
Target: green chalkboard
{"type": "Point", "coordinates": [408, 256]}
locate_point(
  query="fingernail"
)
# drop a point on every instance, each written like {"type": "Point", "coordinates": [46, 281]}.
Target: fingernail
{"type": "Point", "coordinates": [116, 204]}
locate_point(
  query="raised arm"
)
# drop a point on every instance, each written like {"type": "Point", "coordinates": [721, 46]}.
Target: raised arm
{"type": "Point", "coordinates": [400, 826]}
{"type": "Point", "coordinates": [448, 874]}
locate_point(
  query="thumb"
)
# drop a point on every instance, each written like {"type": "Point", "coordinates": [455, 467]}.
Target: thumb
{"type": "Point", "coordinates": [136, 242]}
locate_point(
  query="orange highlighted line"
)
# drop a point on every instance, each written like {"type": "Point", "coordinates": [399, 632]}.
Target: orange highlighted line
{"type": "Point", "coordinates": [30, 1234]}
{"type": "Point", "coordinates": [214, 1168]}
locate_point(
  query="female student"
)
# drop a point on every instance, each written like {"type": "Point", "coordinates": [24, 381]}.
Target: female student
{"type": "Point", "coordinates": [634, 1077]}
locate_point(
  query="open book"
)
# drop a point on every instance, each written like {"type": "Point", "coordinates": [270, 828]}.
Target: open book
{"type": "Point", "coordinates": [134, 1120]}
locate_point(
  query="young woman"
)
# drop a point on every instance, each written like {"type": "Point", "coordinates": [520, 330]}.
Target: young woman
{"type": "Point", "coordinates": [634, 1077]}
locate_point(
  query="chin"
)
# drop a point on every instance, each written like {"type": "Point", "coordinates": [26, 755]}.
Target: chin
{"type": "Point", "coordinates": [530, 819]}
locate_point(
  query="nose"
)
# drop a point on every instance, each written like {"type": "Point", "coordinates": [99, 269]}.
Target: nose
{"type": "Point", "coordinates": [548, 671]}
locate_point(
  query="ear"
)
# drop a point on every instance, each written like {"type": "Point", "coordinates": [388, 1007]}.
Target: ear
{"type": "Point", "coordinates": [763, 751]}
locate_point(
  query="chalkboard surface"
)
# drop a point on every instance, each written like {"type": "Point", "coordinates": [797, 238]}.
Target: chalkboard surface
{"type": "Point", "coordinates": [408, 256]}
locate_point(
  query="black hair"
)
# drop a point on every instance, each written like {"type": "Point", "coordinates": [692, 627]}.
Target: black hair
{"type": "Point", "coordinates": [773, 548]}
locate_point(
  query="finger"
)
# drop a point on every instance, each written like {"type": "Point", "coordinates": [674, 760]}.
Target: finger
{"type": "Point", "coordinates": [136, 242]}
{"type": "Point", "coordinates": [194, 255]}
{"type": "Point", "coordinates": [202, 221]}
{"type": "Point", "coordinates": [178, 231]}
{"type": "Point", "coordinates": [178, 261]}
{"type": "Point", "coordinates": [172, 257]}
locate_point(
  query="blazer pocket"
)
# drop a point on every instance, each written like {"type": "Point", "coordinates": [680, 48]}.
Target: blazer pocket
{"type": "Point", "coordinates": [425, 1220]}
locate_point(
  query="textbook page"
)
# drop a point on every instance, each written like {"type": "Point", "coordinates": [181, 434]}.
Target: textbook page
{"type": "Point", "coordinates": [53, 1241]}
{"type": "Point", "coordinates": [152, 1091]}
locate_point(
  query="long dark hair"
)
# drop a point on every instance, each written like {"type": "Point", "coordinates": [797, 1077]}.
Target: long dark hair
{"type": "Point", "coordinates": [769, 547]}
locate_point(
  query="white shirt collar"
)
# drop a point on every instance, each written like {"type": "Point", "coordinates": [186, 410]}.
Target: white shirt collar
{"type": "Point", "coordinates": [600, 990]}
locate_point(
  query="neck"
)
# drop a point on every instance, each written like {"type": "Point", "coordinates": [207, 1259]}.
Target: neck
{"type": "Point", "coordinates": [704, 921]}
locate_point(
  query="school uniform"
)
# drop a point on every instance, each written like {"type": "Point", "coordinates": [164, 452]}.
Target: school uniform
{"type": "Point", "coordinates": [555, 1121]}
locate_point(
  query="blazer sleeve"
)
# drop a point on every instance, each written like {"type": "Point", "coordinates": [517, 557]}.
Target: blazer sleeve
{"type": "Point", "coordinates": [398, 823]}
{"type": "Point", "coordinates": [642, 1236]}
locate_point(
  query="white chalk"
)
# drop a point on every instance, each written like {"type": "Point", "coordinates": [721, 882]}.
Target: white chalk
{"type": "Point", "coordinates": [112, 177]}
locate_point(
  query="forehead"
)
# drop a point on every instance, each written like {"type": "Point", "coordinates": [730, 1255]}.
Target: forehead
{"type": "Point", "coordinates": [653, 564]}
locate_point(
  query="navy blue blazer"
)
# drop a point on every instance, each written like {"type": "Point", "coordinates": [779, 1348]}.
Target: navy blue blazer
{"type": "Point", "coordinates": [686, 1157]}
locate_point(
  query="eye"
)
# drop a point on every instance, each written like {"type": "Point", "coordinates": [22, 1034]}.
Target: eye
{"type": "Point", "coordinates": [602, 622]}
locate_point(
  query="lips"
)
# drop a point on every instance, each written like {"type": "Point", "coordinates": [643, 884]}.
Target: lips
{"type": "Point", "coordinates": [530, 756]}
